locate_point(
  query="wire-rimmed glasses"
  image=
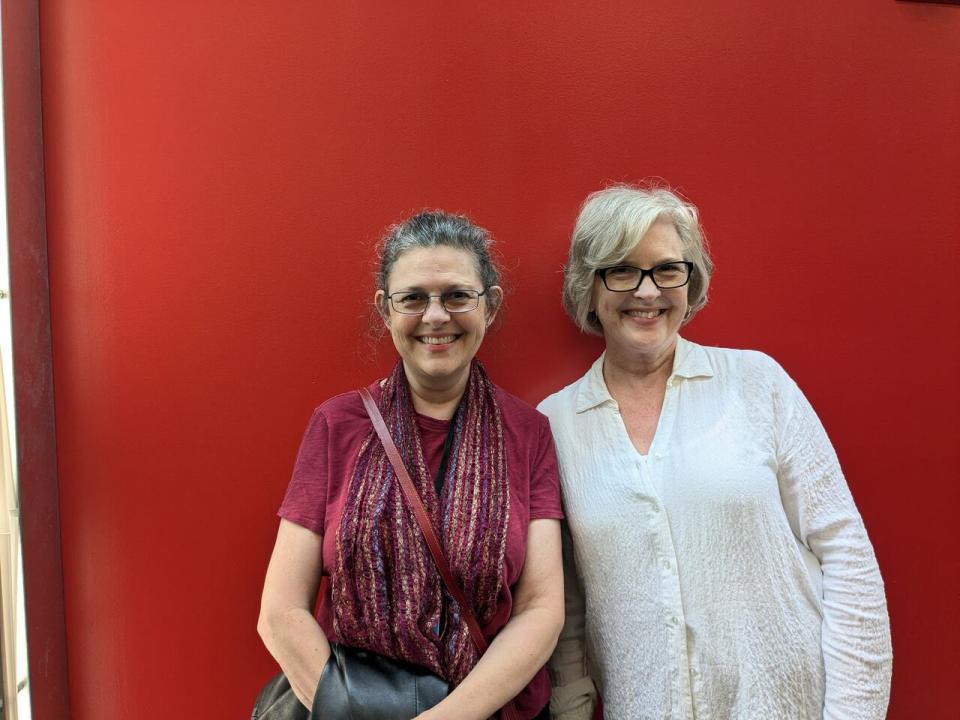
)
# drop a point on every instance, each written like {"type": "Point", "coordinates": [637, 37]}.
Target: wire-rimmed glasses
{"type": "Point", "coordinates": [413, 302]}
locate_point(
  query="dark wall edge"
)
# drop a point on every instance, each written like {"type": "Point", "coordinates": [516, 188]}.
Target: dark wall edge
{"type": "Point", "coordinates": [32, 362]}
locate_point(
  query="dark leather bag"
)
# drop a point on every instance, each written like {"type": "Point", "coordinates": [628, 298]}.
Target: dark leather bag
{"type": "Point", "coordinates": [277, 702]}
{"type": "Point", "coordinates": [360, 685]}
{"type": "Point", "coordinates": [356, 685]}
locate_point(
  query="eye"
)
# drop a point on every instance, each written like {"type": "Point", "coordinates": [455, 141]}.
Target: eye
{"type": "Point", "coordinates": [621, 270]}
{"type": "Point", "coordinates": [671, 269]}
{"type": "Point", "coordinates": [457, 295]}
{"type": "Point", "coordinates": [411, 298]}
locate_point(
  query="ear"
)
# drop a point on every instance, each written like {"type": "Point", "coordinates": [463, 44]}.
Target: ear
{"type": "Point", "coordinates": [494, 297]}
{"type": "Point", "coordinates": [382, 304]}
{"type": "Point", "coordinates": [597, 284]}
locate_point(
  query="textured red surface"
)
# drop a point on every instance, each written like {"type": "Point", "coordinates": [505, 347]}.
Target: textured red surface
{"type": "Point", "coordinates": [217, 173]}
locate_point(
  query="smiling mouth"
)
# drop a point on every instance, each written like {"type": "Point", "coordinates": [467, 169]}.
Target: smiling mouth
{"type": "Point", "coordinates": [440, 340]}
{"type": "Point", "coordinates": [648, 314]}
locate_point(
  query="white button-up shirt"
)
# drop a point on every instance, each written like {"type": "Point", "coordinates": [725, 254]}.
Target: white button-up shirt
{"type": "Point", "coordinates": [727, 573]}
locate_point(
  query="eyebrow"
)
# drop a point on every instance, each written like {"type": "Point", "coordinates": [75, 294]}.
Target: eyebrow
{"type": "Point", "coordinates": [655, 264]}
{"type": "Point", "coordinates": [449, 288]}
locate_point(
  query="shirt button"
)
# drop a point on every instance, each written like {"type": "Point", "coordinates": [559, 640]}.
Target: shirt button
{"type": "Point", "coordinates": [674, 620]}
{"type": "Point", "coordinates": [667, 564]}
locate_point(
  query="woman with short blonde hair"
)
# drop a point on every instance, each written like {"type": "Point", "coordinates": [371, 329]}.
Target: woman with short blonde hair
{"type": "Point", "coordinates": [717, 566]}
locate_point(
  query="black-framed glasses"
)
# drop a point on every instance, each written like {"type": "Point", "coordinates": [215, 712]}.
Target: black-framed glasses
{"type": "Point", "coordinates": [413, 302]}
{"type": "Point", "coordinates": [627, 278]}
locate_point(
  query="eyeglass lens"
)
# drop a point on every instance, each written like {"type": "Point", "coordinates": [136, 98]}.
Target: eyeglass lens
{"type": "Point", "coordinates": [415, 303]}
{"type": "Point", "coordinates": [626, 277]}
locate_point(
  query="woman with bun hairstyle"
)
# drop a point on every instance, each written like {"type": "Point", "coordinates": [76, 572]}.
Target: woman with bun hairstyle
{"type": "Point", "coordinates": [484, 466]}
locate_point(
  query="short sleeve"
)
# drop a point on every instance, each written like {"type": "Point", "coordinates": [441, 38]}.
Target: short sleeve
{"type": "Point", "coordinates": [545, 476]}
{"type": "Point", "coordinates": [306, 497]}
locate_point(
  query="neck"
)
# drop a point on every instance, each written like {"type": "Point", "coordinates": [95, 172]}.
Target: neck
{"type": "Point", "coordinates": [637, 370]}
{"type": "Point", "coordinates": [436, 397]}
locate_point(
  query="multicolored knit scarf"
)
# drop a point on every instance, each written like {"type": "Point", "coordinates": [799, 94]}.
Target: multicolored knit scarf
{"type": "Point", "coordinates": [386, 593]}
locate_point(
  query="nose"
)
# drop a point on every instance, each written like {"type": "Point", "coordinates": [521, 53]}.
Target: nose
{"type": "Point", "coordinates": [647, 289]}
{"type": "Point", "coordinates": [435, 312]}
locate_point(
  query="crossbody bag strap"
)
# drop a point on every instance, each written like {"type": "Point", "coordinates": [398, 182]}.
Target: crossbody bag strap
{"type": "Point", "coordinates": [415, 503]}
{"type": "Point", "coordinates": [509, 711]}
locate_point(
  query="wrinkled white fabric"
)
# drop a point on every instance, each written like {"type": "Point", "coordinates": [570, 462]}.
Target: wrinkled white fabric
{"type": "Point", "coordinates": [727, 573]}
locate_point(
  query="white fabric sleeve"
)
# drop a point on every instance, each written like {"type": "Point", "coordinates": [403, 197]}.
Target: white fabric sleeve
{"type": "Point", "coordinates": [574, 694]}
{"type": "Point", "coordinates": [855, 637]}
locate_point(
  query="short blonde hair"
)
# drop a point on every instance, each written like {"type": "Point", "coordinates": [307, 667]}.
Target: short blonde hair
{"type": "Point", "coordinates": [610, 225]}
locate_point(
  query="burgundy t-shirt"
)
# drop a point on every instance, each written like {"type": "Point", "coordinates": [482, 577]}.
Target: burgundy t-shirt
{"type": "Point", "coordinates": [321, 477]}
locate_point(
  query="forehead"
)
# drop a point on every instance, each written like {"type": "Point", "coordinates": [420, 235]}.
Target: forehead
{"type": "Point", "coordinates": [661, 242]}
{"type": "Point", "coordinates": [441, 265]}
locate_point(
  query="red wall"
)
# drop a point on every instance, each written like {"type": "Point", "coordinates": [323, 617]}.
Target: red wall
{"type": "Point", "coordinates": [217, 173]}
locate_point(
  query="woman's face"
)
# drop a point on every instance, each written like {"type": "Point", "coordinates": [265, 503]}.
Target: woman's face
{"type": "Point", "coordinates": [644, 323]}
{"type": "Point", "coordinates": [436, 347]}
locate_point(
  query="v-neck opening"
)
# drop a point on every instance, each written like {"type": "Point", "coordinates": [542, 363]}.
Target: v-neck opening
{"type": "Point", "coordinates": [661, 433]}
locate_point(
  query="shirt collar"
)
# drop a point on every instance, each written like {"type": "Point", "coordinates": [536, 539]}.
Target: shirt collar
{"type": "Point", "coordinates": [592, 389]}
{"type": "Point", "coordinates": [689, 361]}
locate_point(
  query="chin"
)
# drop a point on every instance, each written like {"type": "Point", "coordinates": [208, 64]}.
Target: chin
{"type": "Point", "coordinates": [648, 336]}
{"type": "Point", "coordinates": [438, 367]}
{"type": "Point", "coordinates": [642, 342]}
